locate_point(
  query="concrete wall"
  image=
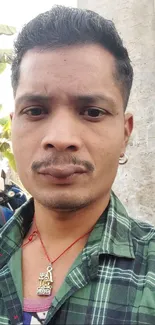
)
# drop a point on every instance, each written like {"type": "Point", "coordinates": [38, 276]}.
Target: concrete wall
{"type": "Point", "coordinates": [135, 21]}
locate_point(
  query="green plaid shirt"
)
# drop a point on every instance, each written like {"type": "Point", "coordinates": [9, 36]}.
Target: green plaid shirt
{"type": "Point", "coordinates": [112, 282]}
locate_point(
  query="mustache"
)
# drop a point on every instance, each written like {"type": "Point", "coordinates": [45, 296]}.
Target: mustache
{"type": "Point", "coordinates": [59, 159]}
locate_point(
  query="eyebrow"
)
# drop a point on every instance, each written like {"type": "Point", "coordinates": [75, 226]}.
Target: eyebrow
{"type": "Point", "coordinates": [94, 98]}
{"type": "Point", "coordinates": [32, 98]}
{"type": "Point", "coordinates": [88, 99]}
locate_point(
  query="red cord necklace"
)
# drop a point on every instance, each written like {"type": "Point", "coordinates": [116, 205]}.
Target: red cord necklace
{"type": "Point", "coordinates": [46, 278]}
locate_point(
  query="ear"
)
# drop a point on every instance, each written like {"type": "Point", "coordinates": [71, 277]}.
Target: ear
{"type": "Point", "coordinates": [128, 127]}
{"type": "Point", "coordinates": [11, 116]}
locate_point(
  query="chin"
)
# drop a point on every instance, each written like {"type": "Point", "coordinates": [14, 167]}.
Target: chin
{"type": "Point", "coordinates": [62, 203]}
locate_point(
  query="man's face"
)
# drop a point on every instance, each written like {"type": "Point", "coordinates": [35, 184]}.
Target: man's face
{"type": "Point", "coordinates": [69, 128]}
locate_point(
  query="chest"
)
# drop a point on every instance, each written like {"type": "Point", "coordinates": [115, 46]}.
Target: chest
{"type": "Point", "coordinates": [37, 272]}
{"type": "Point", "coordinates": [116, 295]}
{"type": "Point", "coordinates": [121, 293]}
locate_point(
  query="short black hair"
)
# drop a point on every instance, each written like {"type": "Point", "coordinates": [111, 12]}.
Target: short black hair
{"type": "Point", "coordinates": [64, 26]}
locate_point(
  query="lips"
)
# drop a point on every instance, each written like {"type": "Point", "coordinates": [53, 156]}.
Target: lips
{"type": "Point", "coordinates": [62, 171]}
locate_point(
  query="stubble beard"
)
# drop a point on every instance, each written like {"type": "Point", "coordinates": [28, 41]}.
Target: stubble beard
{"type": "Point", "coordinates": [64, 204]}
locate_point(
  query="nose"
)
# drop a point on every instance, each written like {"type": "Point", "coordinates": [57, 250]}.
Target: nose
{"type": "Point", "coordinates": [62, 132]}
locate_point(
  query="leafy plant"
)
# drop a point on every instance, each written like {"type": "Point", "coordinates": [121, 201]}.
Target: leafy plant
{"type": "Point", "coordinates": [5, 124]}
{"type": "Point", "coordinates": [7, 30]}
{"type": "Point", "coordinates": [5, 141]}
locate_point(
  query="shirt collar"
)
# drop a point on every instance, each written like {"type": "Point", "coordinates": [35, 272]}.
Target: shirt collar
{"type": "Point", "coordinates": [13, 232]}
{"type": "Point", "coordinates": [111, 234]}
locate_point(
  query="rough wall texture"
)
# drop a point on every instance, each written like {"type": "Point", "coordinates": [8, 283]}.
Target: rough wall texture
{"type": "Point", "coordinates": [135, 21]}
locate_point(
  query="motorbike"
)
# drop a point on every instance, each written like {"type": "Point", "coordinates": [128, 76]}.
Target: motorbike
{"type": "Point", "coordinates": [11, 198]}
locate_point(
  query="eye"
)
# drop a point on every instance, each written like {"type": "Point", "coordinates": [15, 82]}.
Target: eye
{"type": "Point", "coordinates": [93, 112]}
{"type": "Point", "coordinates": [35, 112]}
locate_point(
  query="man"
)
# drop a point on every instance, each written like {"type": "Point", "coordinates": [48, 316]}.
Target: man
{"type": "Point", "coordinates": [72, 255]}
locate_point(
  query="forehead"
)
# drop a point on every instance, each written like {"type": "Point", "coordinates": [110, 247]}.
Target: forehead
{"type": "Point", "coordinates": [77, 69]}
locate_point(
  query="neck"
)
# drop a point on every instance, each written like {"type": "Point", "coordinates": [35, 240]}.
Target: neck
{"type": "Point", "coordinates": [71, 224]}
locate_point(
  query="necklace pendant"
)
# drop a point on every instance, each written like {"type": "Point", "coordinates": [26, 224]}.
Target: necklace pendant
{"type": "Point", "coordinates": [45, 282]}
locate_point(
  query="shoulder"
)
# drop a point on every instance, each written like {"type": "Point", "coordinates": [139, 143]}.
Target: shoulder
{"type": "Point", "coordinates": [143, 239]}
{"type": "Point", "coordinates": [5, 215]}
{"type": "Point", "coordinates": [138, 235]}
{"type": "Point", "coordinates": [137, 229]}
{"type": "Point", "coordinates": [142, 230]}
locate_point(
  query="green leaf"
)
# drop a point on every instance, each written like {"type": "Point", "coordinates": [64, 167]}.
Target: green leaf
{"type": "Point", "coordinates": [4, 120]}
{"type": "Point", "coordinates": [5, 55]}
{"type": "Point", "coordinates": [1, 107]}
{"type": "Point", "coordinates": [2, 67]}
{"type": "Point", "coordinates": [5, 51]}
{"type": "Point", "coordinates": [5, 129]}
{"type": "Point", "coordinates": [9, 155]}
{"type": "Point", "coordinates": [4, 146]}
{"type": "Point", "coordinates": [7, 30]}
{"type": "Point", "coordinates": [6, 134]}
{"type": "Point", "coordinates": [7, 125]}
